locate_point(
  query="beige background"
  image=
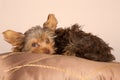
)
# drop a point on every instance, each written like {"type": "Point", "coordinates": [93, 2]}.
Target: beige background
{"type": "Point", "coordinates": [100, 17]}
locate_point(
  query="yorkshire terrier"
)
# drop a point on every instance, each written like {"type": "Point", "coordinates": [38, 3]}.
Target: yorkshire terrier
{"type": "Point", "coordinates": [71, 41]}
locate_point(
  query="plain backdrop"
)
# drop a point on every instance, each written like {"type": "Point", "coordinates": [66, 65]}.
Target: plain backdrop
{"type": "Point", "coordinates": [99, 17]}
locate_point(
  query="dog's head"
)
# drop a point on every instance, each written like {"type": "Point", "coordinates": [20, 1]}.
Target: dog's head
{"type": "Point", "coordinates": [36, 39]}
{"type": "Point", "coordinates": [39, 40]}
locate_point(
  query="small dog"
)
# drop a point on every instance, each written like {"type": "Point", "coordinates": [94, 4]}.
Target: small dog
{"type": "Point", "coordinates": [70, 41]}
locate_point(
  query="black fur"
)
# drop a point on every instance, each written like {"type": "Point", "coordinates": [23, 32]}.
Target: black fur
{"type": "Point", "coordinates": [74, 41]}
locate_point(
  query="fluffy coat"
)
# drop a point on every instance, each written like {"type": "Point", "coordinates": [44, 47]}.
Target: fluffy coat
{"type": "Point", "coordinates": [74, 41]}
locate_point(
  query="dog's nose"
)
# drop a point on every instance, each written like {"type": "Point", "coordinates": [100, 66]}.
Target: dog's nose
{"type": "Point", "coordinates": [47, 51]}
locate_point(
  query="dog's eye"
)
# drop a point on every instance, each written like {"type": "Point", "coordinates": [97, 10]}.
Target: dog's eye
{"type": "Point", "coordinates": [35, 44]}
{"type": "Point", "coordinates": [47, 41]}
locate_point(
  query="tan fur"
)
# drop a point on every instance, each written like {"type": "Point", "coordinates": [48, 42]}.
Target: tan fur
{"type": "Point", "coordinates": [13, 37]}
{"type": "Point", "coordinates": [51, 22]}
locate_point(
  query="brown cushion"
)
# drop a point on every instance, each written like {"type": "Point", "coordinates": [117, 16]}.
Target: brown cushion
{"type": "Point", "coordinates": [32, 66]}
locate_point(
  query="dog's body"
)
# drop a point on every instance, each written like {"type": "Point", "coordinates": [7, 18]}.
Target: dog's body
{"type": "Point", "coordinates": [74, 41]}
{"type": "Point", "coordinates": [70, 41]}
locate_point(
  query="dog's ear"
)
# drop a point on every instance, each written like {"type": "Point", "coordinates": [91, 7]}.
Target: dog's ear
{"type": "Point", "coordinates": [13, 37]}
{"type": "Point", "coordinates": [51, 22]}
